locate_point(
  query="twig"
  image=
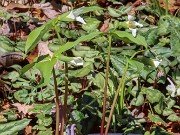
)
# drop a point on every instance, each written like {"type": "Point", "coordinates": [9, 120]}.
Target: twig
{"type": "Point", "coordinates": [64, 118]}
{"type": "Point", "coordinates": [105, 87]}
{"type": "Point", "coordinates": [57, 102]}
{"type": "Point", "coordinates": [120, 87]}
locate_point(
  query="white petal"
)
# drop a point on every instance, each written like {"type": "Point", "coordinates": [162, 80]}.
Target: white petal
{"type": "Point", "coordinates": [134, 31]}
{"type": "Point", "coordinates": [80, 19]}
{"type": "Point", "coordinates": [77, 61]}
{"type": "Point", "coordinates": [171, 88]}
{"type": "Point", "coordinates": [138, 24]}
{"type": "Point", "coordinates": [156, 63]}
{"type": "Point", "coordinates": [178, 92]}
{"type": "Point", "coordinates": [130, 18]}
{"type": "Point", "coordinates": [71, 15]}
{"type": "Point", "coordinates": [173, 94]}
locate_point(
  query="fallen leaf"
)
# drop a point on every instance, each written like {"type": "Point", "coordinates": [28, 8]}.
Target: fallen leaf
{"type": "Point", "coordinates": [47, 9]}
{"type": "Point", "coordinates": [17, 6]}
{"type": "Point", "coordinates": [43, 49]}
{"type": "Point", "coordinates": [32, 55]}
{"type": "Point", "coordinates": [28, 130]}
{"type": "Point", "coordinates": [105, 26]}
{"type": "Point", "coordinates": [23, 108]}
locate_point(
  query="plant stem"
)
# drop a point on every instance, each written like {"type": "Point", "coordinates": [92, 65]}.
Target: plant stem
{"type": "Point", "coordinates": [65, 106]}
{"type": "Point", "coordinates": [65, 95]}
{"type": "Point", "coordinates": [106, 85]}
{"type": "Point", "coordinates": [166, 2]}
{"type": "Point", "coordinates": [64, 116]}
{"type": "Point", "coordinates": [120, 87]}
{"type": "Point", "coordinates": [56, 102]}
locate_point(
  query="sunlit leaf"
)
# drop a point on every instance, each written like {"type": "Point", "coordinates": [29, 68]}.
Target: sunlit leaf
{"type": "Point", "coordinates": [69, 45]}
{"type": "Point", "coordinates": [152, 95]}
{"type": "Point", "coordinates": [36, 35]}
{"type": "Point", "coordinates": [128, 37]}
{"type": "Point", "coordinates": [45, 67]}
{"type": "Point", "coordinates": [173, 117]}
{"type": "Point", "coordinates": [155, 118]}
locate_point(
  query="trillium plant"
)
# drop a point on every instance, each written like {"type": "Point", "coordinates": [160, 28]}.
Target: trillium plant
{"type": "Point", "coordinates": [172, 88]}
{"type": "Point", "coordinates": [132, 25]}
{"type": "Point", "coordinates": [74, 16]}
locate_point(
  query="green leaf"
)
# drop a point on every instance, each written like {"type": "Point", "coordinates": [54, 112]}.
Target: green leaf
{"type": "Point", "coordinates": [77, 115]}
{"type": "Point", "coordinates": [29, 66]}
{"type": "Point", "coordinates": [136, 66]}
{"type": "Point", "coordinates": [118, 62]}
{"type": "Point", "coordinates": [155, 118]}
{"type": "Point", "coordinates": [163, 27]}
{"type": "Point", "coordinates": [91, 24]}
{"type": "Point", "coordinates": [36, 35]}
{"type": "Point", "coordinates": [6, 45]}
{"type": "Point", "coordinates": [45, 108]}
{"type": "Point", "coordinates": [138, 101]}
{"type": "Point", "coordinates": [26, 68]}
{"type": "Point", "coordinates": [173, 117]}
{"type": "Point", "coordinates": [45, 67]}
{"type": "Point", "coordinates": [48, 131]}
{"type": "Point", "coordinates": [44, 120]}
{"type": "Point", "coordinates": [69, 45]}
{"type": "Point", "coordinates": [126, 36]}
{"type": "Point", "coordinates": [113, 12]}
{"type": "Point", "coordinates": [21, 95]}
{"type": "Point", "coordinates": [12, 128]}
{"type": "Point", "coordinates": [151, 36]}
{"type": "Point", "coordinates": [76, 87]}
{"type": "Point", "coordinates": [152, 95]}
{"type": "Point", "coordinates": [99, 80]}
{"type": "Point", "coordinates": [81, 72]}
{"type": "Point", "coordinates": [84, 10]}
{"type": "Point", "coordinates": [167, 112]}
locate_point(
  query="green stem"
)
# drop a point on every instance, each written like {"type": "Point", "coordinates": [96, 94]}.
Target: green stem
{"type": "Point", "coordinates": [66, 92]}
{"type": "Point", "coordinates": [56, 102]}
{"type": "Point", "coordinates": [106, 85]}
{"type": "Point", "coordinates": [120, 87]}
{"type": "Point", "coordinates": [63, 121]}
{"type": "Point", "coordinates": [166, 6]}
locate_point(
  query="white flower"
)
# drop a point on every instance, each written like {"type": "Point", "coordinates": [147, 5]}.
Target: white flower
{"type": "Point", "coordinates": [172, 88]}
{"type": "Point", "coordinates": [77, 61]}
{"type": "Point", "coordinates": [157, 62]}
{"type": "Point", "coordinates": [178, 92]}
{"type": "Point", "coordinates": [132, 25]}
{"type": "Point", "coordinates": [76, 17]}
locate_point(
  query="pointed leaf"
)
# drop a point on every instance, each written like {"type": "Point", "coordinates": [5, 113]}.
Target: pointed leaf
{"type": "Point", "coordinates": [36, 35]}
{"type": "Point", "coordinates": [45, 67]}
{"type": "Point", "coordinates": [81, 72]}
{"type": "Point", "coordinates": [12, 128]}
{"type": "Point", "coordinates": [69, 45]}
{"type": "Point", "coordinates": [126, 36]}
{"type": "Point", "coordinates": [155, 118]}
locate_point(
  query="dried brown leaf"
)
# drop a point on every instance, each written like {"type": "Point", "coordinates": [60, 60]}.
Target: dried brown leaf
{"type": "Point", "coordinates": [23, 108]}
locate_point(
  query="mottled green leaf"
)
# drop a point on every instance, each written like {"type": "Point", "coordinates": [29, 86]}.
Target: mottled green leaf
{"type": "Point", "coordinates": [155, 118]}
{"type": "Point", "coordinates": [126, 36]}
{"type": "Point", "coordinates": [14, 127]}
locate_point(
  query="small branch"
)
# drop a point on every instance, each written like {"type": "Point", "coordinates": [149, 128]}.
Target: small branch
{"type": "Point", "coordinates": [64, 118]}
{"type": "Point", "coordinates": [120, 88]}
{"type": "Point", "coordinates": [105, 87]}
{"type": "Point", "coordinates": [56, 102]}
